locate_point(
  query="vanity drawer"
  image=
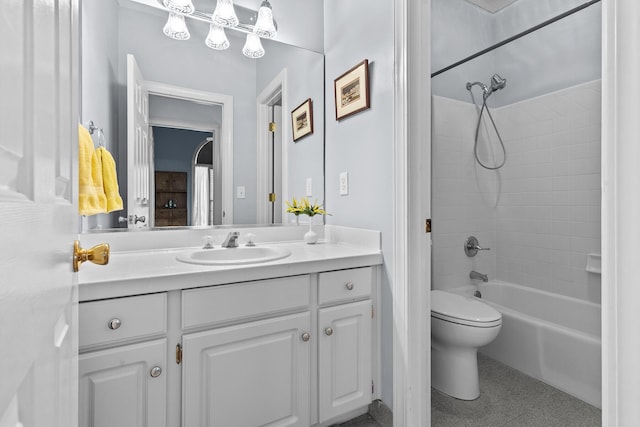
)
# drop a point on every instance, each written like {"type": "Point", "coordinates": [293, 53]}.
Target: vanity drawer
{"type": "Point", "coordinates": [344, 285]}
{"type": "Point", "coordinates": [118, 319]}
{"type": "Point", "coordinates": [237, 301]}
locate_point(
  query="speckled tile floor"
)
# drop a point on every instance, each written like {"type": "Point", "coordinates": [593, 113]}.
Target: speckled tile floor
{"type": "Point", "coordinates": [365, 420]}
{"type": "Point", "coordinates": [509, 398]}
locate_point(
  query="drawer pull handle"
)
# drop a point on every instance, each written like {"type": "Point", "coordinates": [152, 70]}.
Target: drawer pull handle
{"type": "Point", "coordinates": [328, 331]}
{"type": "Point", "coordinates": [155, 372]}
{"type": "Point", "coordinates": [305, 337]}
{"type": "Point", "coordinates": [349, 286]}
{"type": "Point", "coordinates": [114, 324]}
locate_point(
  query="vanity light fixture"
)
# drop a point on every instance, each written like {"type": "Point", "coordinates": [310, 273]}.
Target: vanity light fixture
{"type": "Point", "coordinates": [179, 6]}
{"type": "Point", "coordinates": [264, 25]}
{"type": "Point", "coordinates": [217, 39]}
{"type": "Point", "coordinates": [224, 14]}
{"type": "Point", "coordinates": [256, 25]}
{"type": "Point", "coordinates": [253, 47]}
{"type": "Point", "coordinates": [176, 28]}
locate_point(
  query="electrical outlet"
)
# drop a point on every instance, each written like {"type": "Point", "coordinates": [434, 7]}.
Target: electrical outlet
{"type": "Point", "coordinates": [240, 194]}
{"type": "Point", "coordinates": [344, 183]}
{"type": "Point", "coordinates": [309, 188]}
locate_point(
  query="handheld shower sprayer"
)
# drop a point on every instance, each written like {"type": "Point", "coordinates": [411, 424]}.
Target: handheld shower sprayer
{"type": "Point", "coordinates": [497, 83]}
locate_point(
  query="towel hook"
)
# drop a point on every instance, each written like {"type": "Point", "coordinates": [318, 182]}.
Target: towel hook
{"type": "Point", "coordinates": [91, 127]}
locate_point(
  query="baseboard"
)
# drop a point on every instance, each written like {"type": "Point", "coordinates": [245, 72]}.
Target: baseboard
{"type": "Point", "coordinates": [381, 413]}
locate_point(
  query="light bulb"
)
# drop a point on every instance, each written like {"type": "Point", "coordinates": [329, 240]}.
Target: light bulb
{"type": "Point", "coordinates": [225, 14]}
{"type": "Point", "coordinates": [176, 27]}
{"type": "Point", "coordinates": [253, 47]}
{"type": "Point", "coordinates": [179, 6]}
{"type": "Point", "coordinates": [264, 24]}
{"type": "Point", "coordinates": [217, 39]}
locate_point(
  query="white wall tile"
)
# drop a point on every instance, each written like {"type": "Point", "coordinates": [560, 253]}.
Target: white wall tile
{"type": "Point", "coordinates": [540, 213]}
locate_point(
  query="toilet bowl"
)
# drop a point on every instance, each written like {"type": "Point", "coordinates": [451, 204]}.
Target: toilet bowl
{"type": "Point", "coordinates": [459, 325]}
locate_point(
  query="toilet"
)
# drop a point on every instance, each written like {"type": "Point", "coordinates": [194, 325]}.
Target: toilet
{"type": "Point", "coordinates": [459, 325]}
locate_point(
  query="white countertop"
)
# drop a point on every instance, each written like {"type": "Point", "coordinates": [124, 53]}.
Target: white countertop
{"type": "Point", "coordinates": [149, 271]}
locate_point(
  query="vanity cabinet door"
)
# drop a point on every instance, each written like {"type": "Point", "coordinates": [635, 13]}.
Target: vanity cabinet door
{"type": "Point", "coordinates": [344, 358]}
{"type": "Point", "coordinates": [249, 375]}
{"type": "Point", "coordinates": [124, 386]}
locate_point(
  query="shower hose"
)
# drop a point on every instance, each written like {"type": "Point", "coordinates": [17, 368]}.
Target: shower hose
{"type": "Point", "coordinates": [475, 144]}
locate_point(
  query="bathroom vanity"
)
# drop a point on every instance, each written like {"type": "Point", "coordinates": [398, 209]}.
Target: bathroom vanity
{"type": "Point", "coordinates": [292, 342]}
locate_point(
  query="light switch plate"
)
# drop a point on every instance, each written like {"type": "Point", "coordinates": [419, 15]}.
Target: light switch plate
{"type": "Point", "coordinates": [309, 188]}
{"type": "Point", "coordinates": [240, 194]}
{"type": "Point", "coordinates": [344, 183]}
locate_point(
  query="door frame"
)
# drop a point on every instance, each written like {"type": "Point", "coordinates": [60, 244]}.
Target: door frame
{"type": "Point", "coordinates": [620, 212]}
{"type": "Point", "coordinates": [225, 132]}
{"type": "Point", "coordinates": [276, 88]}
{"type": "Point", "coordinates": [412, 206]}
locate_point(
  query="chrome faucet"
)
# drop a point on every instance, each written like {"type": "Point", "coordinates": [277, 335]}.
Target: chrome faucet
{"type": "Point", "coordinates": [232, 240]}
{"type": "Point", "coordinates": [475, 275]}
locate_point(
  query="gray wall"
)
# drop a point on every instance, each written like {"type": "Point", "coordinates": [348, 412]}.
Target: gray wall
{"type": "Point", "coordinates": [560, 55]}
{"type": "Point", "coordinates": [362, 144]}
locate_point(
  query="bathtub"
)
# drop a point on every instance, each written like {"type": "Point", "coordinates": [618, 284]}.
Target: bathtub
{"type": "Point", "coordinates": [553, 338]}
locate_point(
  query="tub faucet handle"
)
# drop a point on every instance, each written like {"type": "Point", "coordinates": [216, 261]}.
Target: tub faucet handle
{"type": "Point", "coordinates": [472, 246]}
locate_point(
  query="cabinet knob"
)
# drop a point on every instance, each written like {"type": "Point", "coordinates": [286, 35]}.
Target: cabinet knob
{"type": "Point", "coordinates": [349, 286]}
{"type": "Point", "coordinates": [114, 323]}
{"type": "Point", "coordinates": [305, 336]}
{"type": "Point", "coordinates": [155, 371]}
{"type": "Point", "coordinates": [328, 331]}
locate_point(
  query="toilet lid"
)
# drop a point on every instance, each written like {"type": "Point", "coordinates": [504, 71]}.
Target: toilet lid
{"type": "Point", "coordinates": [464, 310]}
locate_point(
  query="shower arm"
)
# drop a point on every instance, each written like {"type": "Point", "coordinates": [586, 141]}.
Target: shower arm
{"type": "Point", "coordinates": [482, 85]}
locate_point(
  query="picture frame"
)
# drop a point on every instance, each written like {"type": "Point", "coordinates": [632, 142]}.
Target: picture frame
{"type": "Point", "coordinates": [351, 91]}
{"type": "Point", "coordinates": [302, 120]}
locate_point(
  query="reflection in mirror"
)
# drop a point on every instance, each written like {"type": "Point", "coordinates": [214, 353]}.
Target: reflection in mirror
{"type": "Point", "coordinates": [296, 74]}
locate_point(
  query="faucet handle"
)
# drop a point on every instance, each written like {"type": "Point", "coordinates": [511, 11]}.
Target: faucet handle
{"type": "Point", "coordinates": [250, 237]}
{"type": "Point", "coordinates": [471, 246]}
{"type": "Point", "coordinates": [208, 242]}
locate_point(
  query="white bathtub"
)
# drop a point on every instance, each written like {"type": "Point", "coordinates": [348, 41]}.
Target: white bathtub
{"type": "Point", "coordinates": [547, 336]}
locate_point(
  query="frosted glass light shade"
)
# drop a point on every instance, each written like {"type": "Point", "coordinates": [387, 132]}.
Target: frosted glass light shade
{"type": "Point", "coordinates": [253, 47]}
{"type": "Point", "coordinates": [217, 39]}
{"type": "Point", "coordinates": [179, 6]}
{"type": "Point", "coordinates": [225, 14]}
{"type": "Point", "coordinates": [264, 24]}
{"type": "Point", "coordinates": [176, 27]}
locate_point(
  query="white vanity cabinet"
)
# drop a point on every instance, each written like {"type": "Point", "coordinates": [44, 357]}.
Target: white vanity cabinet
{"type": "Point", "coordinates": [255, 373]}
{"type": "Point", "coordinates": [344, 342]}
{"type": "Point", "coordinates": [125, 384]}
{"type": "Point", "coordinates": [287, 351]}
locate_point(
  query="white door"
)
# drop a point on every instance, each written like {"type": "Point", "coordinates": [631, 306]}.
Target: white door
{"type": "Point", "coordinates": [124, 386]}
{"type": "Point", "coordinates": [251, 375]}
{"type": "Point", "coordinates": [344, 358]}
{"type": "Point", "coordinates": [138, 147]}
{"type": "Point", "coordinates": [38, 144]}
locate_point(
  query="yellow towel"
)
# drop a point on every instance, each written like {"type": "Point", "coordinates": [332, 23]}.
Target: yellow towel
{"type": "Point", "coordinates": [91, 197]}
{"type": "Point", "coordinates": [110, 180]}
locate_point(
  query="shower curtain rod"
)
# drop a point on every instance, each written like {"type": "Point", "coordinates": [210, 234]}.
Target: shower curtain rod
{"type": "Point", "coordinates": [517, 36]}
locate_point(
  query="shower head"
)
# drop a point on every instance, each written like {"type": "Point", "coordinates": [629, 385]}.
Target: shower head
{"type": "Point", "coordinates": [497, 83]}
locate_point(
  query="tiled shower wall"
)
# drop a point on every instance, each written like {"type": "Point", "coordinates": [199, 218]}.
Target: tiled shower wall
{"type": "Point", "coordinates": [540, 213]}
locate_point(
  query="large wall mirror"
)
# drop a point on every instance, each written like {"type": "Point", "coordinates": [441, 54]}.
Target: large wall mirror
{"type": "Point", "coordinates": [188, 126]}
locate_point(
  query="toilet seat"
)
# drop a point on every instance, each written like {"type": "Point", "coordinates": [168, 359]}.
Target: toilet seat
{"type": "Point", "coordinates": [462, 310]}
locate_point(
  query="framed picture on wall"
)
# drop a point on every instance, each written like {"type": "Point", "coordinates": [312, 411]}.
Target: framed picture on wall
{"type": "Point", "coordinates": [302, 120]}
{"type": "Point", "coordinates": [351, 91]}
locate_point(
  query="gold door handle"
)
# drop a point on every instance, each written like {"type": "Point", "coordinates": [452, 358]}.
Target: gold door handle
{"type": "Point", "coordinates": [99, 254]}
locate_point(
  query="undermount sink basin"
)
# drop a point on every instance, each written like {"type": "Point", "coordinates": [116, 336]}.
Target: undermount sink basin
{"type": "Point", "coordinates": [234, 256]}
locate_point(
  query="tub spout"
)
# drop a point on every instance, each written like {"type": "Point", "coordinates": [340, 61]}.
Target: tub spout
{"type": "Point", "coordinates": [475, 275]}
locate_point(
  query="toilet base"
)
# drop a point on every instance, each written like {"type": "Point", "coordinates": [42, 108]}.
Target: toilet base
{"type": "Point", "coordinates": [454, 371]}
